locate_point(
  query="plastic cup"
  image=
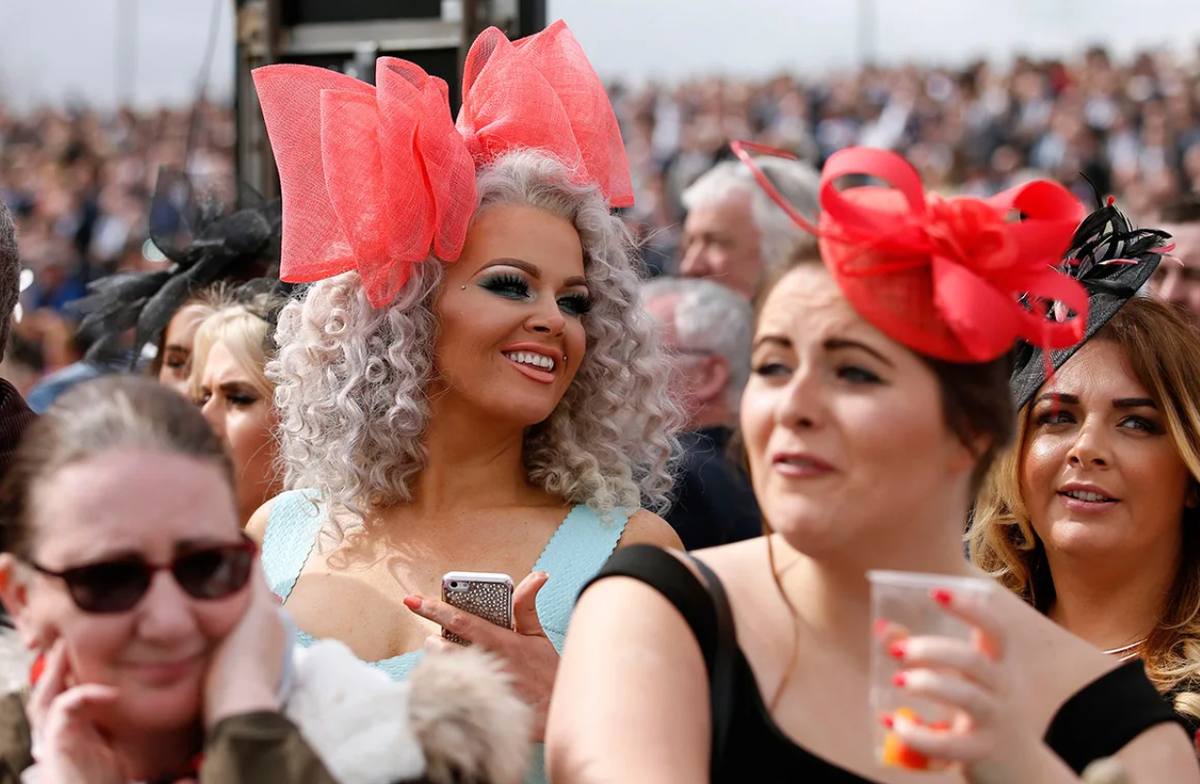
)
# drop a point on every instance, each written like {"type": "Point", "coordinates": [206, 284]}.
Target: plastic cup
{"type": "Point", "coordinates": [902, 606]}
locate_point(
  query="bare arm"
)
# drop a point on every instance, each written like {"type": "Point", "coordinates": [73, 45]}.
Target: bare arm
{"type": "Point", "coordinates": [1161, 753]}
{"type": "Point", "coordinates": [631, 702]}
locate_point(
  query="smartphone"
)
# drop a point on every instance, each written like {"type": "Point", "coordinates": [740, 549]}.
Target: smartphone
{"type": "Point", "coordinates": [485, 594]}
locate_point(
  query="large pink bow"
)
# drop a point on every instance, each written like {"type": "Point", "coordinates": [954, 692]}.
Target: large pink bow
{"type": "Point", "coordinates": [377, 178]}
{"type": "Point", "coordinates": [953, 279]}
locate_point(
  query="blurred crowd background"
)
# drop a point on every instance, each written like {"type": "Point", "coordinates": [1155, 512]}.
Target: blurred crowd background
{"type": "Point", "coordinates": [80, 181]}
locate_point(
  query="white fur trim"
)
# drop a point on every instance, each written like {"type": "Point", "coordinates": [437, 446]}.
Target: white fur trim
{"type": "Point", "coordinates": [15, 661]}
{"type": "Point", "coordinates": [353, 716]}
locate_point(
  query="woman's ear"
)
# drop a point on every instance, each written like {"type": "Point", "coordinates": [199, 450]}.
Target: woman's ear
{"type": "Point", "coordinates": [14, 594]}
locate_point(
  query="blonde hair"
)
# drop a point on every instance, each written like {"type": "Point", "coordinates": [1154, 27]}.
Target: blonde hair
{"type": "Point", "coordinates": [1162, 347]}
{"type": "Point", "coordinates": [241, 326]}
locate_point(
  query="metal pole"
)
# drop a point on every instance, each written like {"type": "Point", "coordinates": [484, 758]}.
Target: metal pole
{"type": "Point", "coordinates": [868, 12]}
{"type": "Point", "coordinates": [127, 39]}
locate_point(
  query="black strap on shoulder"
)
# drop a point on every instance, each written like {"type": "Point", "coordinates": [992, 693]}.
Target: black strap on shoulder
{"type": "Point", "coordinates": [721, 677]}
{"type": "Point", "coordinates": [705, 608]}
{"type": "Point", "coordinates": [1107, 714]}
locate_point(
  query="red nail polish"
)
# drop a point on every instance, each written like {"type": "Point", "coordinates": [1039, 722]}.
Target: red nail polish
{"type": "Point", "coordinates": [35, 672]}
{"type": "Point", "coordinates": [412, 602]}
{"type": "Point", "coordinates": [880, 627]}
{"type": "Point", "coordinates": [941, 596]}
{"type": "Point", "coordinates": [899, 679]}
{"type": "Point", "coordinates": [887, 720]}
{"type": "Point", "coordinates": [896, 651]}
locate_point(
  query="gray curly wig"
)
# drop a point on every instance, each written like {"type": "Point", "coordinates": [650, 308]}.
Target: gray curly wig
{"type": "Point", "coordinates": [352, 381]}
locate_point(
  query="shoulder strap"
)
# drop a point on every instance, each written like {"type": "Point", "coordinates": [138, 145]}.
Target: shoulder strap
{"type": "Point", "coordinates": [705, 608]}
{"type": "Point", "coordinates": [1107, 714]}
{"type": "Point", "coordinates": [721, 677]}
{"type": "Point", "coordinates": [580, 546]}
{"type": "Point", "coordinates": [292, 529]}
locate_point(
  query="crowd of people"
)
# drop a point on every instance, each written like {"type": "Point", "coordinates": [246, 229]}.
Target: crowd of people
{"type": "Point", "coordinates": [660, 379]}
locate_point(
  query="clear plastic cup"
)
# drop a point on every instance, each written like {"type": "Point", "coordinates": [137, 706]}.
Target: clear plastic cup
{"type": "Point", "coordinates": [902, 606]}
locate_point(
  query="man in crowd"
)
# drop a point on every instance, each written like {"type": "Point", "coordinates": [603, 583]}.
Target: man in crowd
{"type": "Point", "coordinates": [15, 416]}
{"type": "Point", "coordinates": [734, 233]}
{"type": "Point", "coordinates": [708, 329]}
{"type": "Point", "coordinates": [1180, 282]}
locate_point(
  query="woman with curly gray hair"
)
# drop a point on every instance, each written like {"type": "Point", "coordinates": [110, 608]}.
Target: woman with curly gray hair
{"type": "Point", "coordinates": [501, 413]}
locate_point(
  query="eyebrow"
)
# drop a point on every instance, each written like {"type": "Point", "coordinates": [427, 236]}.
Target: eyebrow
{"type": "Point", "coordinates": [776, 340]}
{"type": "Point", "coordinates": [1066, 398]}
{"type": "Point", "coordinates": [834, 344]}
{"type": "Point", "coordinates": [531, 270]}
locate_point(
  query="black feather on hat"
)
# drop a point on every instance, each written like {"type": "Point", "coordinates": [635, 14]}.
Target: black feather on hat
{"type": "Point", "coordinates": [203, 244]}
{"type": "Point", "coordinates": [1113, 260]}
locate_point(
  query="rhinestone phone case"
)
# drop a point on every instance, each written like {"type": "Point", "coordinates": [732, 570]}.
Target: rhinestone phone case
{"type": "Point", "coordinates": [485, 594]}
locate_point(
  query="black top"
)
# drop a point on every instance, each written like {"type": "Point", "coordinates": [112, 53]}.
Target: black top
{"type": "Point", "coordinates": [714, 503]}
{"type": "Point", "coordinates": [1097, 722]}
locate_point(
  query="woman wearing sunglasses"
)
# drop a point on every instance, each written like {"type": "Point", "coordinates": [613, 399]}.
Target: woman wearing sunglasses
{"type": "Point", "coordinates": [164, 656]}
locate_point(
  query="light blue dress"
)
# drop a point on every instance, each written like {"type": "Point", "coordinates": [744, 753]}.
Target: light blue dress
{"type": "Point", "coordinates": [580, 546]}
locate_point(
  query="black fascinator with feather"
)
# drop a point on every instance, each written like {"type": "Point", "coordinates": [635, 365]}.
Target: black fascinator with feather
{"type": "Point", "coordinates": [203, 243]}
{"type": "Point", "coordinates": [1113, 260]}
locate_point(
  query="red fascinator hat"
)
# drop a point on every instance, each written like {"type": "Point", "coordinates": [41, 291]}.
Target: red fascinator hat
{"type": "Point", "coordinates": [954, 279]}
{"type": "Point", "coordinates": [376, 179]}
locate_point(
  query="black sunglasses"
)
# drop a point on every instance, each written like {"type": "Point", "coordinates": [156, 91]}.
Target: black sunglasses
{"type": "Point", "coordinates": [117, 586]}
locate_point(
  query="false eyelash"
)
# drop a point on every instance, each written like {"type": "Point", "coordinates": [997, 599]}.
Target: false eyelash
{"type": "Point", "coordinates": [507, 282]}
{"type": "Point", "coordinates": [580, 303]}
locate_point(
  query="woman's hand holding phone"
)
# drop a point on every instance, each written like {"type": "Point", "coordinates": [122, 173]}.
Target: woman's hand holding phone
{"type": "Point", "coordinates": [67, 745]}
{"type": "Point", "coordinates": [528, 654]}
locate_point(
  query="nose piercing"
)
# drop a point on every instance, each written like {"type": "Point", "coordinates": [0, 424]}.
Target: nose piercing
{"type": "Point", "coordinates": [463, 287]}
{"type": "Point", "coordinates": [564, 357]}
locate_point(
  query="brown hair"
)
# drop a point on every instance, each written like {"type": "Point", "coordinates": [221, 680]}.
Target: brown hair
{"type": "Point", "coordinates": [109, 413]}
{"type": "Point", "coordinates": [1162, 347]}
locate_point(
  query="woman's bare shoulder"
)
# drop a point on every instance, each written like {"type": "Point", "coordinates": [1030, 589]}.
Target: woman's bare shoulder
{"type": "Point", "coordinates": [645, 527]}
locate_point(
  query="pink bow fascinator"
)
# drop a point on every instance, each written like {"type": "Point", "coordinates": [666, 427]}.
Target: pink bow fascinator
{"type": "Point", "coordinates": [375, 179]}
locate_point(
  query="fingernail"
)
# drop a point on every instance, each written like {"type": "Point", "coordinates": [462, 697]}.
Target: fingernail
{"type": "Point", "coordinates": [412, 602]}
{"type": "Point", "coordinates": [897, 650]}
{"type": "Point", "coordinates": [887, 720]}
{"type": "Point", "coordinates": [899, 679]}
{"type": "Point", "coordinates": [880, 627]}
{"type": "Point", "coordinates": [941, 596]}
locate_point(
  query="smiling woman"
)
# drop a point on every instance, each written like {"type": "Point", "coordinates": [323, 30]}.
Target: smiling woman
{"type": "Point", "coordinates": [1093, 516]}
{"type": "Point", "coordinates": [469, 384]}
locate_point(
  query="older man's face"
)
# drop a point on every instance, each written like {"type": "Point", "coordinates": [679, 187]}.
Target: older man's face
{"type": "Point", "coordinates": [722, 242]}
{"type": "Point", "coordinates": [1177, 282]}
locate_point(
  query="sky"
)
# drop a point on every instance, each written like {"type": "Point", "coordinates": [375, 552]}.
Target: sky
{"type": "Point", "coordinates": [52, 50]}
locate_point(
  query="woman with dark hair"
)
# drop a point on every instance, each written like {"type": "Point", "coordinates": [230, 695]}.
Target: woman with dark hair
{"type": "Point", "coordinates": [1091, 518]}
{"type": "Point", "coordinates": [164, 655]}
{"type": "Point", "coordinates": [878, 398]}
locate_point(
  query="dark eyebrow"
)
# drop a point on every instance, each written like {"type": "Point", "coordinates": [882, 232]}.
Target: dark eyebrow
{"type": "Point", "coordinates": [777, 340]}
{"type": "Point", "coordinates": [833, 344]}
{"type": "Point", "coordinates": [1059, 397]}
{"type": "Point", "coordinates": [531, 270]}
{"type": "Point", "coordinates": [1134, 402]}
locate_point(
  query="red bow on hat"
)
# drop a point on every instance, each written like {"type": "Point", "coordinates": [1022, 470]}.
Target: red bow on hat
{"type": "Point", "coordinates": [952, 279]}
{"type": "Point", "coordinates": [376, 179]}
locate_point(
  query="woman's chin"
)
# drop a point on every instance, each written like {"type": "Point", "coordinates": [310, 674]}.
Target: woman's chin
{"type": "Point", "coordinates": [160, 707]}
